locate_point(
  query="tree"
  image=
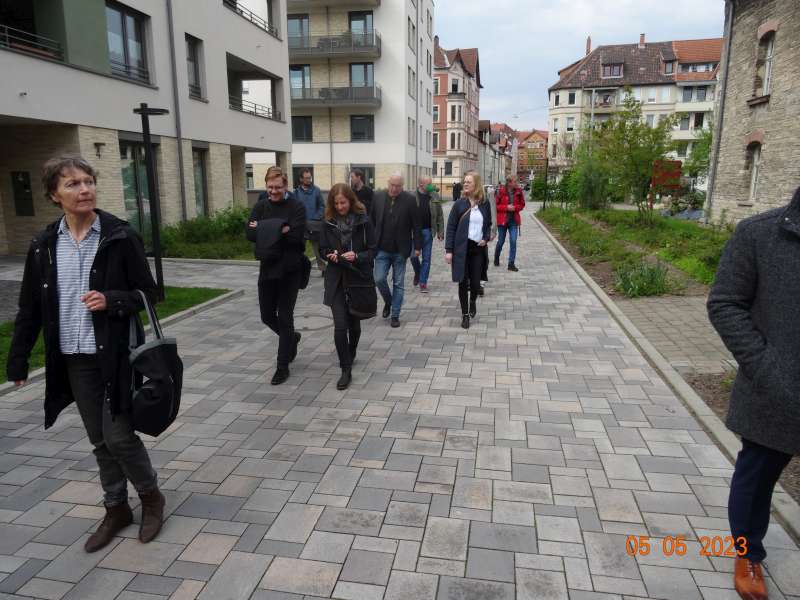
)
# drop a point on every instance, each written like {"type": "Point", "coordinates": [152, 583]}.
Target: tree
{"type": "Point", "coordinates": [628, 147]}
{"type": "Point", "coordinates": [590, 177]}
{"type": "Point", "coordinates": [697, 163]}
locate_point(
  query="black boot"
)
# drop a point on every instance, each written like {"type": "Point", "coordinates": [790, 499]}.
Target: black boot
{"type": "Point", "coordinates": [496, 260]}
{"type": "Point", "coordinates": [353, 346]}
{"type": "Point", "coordinates": [473, 309]}
{"type": "Point", "coordinates": [297, 337]}
{"type": "Point", "coordinates": [281, 375]}
{"type": "Point", "coordinates": [344, 380]}
{"type": "Point", "coordinates": [465, 321]}
{"type": "Point", "coordinates": [387, 309]}
{"type": "Point", "coordinates": [512, 267]}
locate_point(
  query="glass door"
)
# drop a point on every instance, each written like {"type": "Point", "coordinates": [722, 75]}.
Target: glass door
{"type": "Point", "coordinates": [135, 190]}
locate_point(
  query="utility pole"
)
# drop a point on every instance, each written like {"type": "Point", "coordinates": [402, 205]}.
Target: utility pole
{"type": "Point", "coordinates": [152, 186]}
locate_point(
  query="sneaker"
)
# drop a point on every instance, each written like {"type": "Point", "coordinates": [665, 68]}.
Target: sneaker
{"type": "Point", "coordinates": [395, 322]}
{"type": "Point", "coordinates": [511, 267]}
{"type": "Point", "coordinates": [465, 321]}
{"type": "Point", "coordinates": [423, 287]}
{"type": "Point", "coordinates": [387, 310]}
{"type": "Point", "coordinates": [281, 375]}
{"type": "Point", "coordinates": [481, 291]}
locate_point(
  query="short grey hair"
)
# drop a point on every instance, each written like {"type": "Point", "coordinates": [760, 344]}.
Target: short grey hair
{"type": "Point", "coordinates": [397, 174]}
{"type": "Point", "coordinates": [51, 171]}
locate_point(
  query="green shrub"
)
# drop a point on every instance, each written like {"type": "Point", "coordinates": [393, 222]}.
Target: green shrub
{"type": "Point", "coordinates": [642, 279]}
{"type": "Point", "coordinates": [221, 235]}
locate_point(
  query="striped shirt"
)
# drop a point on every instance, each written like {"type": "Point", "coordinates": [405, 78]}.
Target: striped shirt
{"type": "Point", "coordinates": [73, 265]}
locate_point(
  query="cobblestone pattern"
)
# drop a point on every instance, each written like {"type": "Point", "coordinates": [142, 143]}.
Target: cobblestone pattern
{"type": "Point", "coordinates": [507, 461]}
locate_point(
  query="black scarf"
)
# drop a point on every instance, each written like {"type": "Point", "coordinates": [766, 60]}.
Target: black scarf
{"type": "Point", "coordinates": [345, 226]}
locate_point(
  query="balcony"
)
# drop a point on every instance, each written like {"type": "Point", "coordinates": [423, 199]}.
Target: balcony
{"type": "Point", "coordinates": [347, 96]}
{"type": "Point", "coordinates": [30, 43]}
{"type": "Point", "coordinates": [295, 5]}
{"type": "Point", "coordinates": [251, 108]}
{"type": "Point", "coordinates": [340, 45]}
{"type": "Point", "coordinates": [128, 71]}
{"type": "Point", "coordinates": [249, 15]}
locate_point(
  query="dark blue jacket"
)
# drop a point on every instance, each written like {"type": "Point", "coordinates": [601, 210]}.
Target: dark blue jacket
{"type": "Point", "coordinates": [312, 200]}
{"type": "Point", "coordinates": [458, 233]}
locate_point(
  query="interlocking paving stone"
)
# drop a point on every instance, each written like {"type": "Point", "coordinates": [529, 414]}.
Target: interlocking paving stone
{"type": "Point", "coordinates": [453, 460]}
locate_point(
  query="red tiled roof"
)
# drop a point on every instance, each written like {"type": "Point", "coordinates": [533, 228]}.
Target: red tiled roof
{"type": "Point", "coordinates": [439, 56]}
{"type": "Point", "coordinates": [695, 51]}
{"type": "Point", "coordinates": [468, 56]}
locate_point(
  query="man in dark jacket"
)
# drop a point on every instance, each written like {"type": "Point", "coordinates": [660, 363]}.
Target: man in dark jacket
{"type": "Point", "coordinates": [311, 197]}
{"type": "Point", "coordinates": [363, 192]}
{"type": "Point", "coordinates": [431, 219]}
{"type": "Point", "coordinates": [397, 226]}
{"type": "Point", "coordinates": [281, 272]}
{"type": "Point", "coordinates": [78, 288]}
{"type": "Point", "coordinates": [754, 307]}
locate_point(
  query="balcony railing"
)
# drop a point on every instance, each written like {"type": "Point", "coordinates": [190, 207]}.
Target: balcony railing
{"type": "Point", "coordinates": [121, 69]}
{"type": "Point", "coordinates": [251, 108]}
{"type": "Point", "coordinates": [348, 42]}
{"type": "Point", "coordinates": [337, 95]}
{"type": "Point", "coordinates": [30, 43]}
{"type": "Point", "coordinates": [195, 91]}
{"type": "Point", "coordinates": [251, 16]}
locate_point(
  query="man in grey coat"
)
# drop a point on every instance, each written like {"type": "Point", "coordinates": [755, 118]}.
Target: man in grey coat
{"type": "Point", "coordinates": [755, 307]}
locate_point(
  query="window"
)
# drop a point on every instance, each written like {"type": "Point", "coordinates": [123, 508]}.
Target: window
{"type": "Point", "coordinates": [428, 101]}
{"type": "Point", "coordinates": [683, 148]}
{"type": "Point", "coordinates": [555, 125]}
{"type": "Point", "coordinates": [448, 167]}
{"type": "Point", "coordinates": [701, 93]}
{"type": "Point", "coordinates": [754, 160]}
{"type": "Point", "coordinates": [571, 98]}
{"type": "Point", "coordinates": [553, 150]}
{"type": "Point", "coordinates": [427, 140]}
{"type": "Point", "coordinates": [429, 21]}
{"type": "Point", "coordinates": [570, 123]}
{"type": "Point", "coordinates": [651, 94]}
{"type": "Point", "coordinates": [362, 128]}
{"type": "Point", "coordinates": [302, 129]}
{"type": "Point", "coordinates": [298, 31]}
{"type": "Point", "coordinates": [435, 86]}
{"type": "Point", "coordinates": [435, 142]}
{"type": "Point", "coordinates": [126, 49]}
{"type": "Point", "coordinates": [200, 186]}
{"type": "Point", "coordinates": [568, 150]}
{"type": "Point", "coordinates": [299, 77]}
{"type": "Point", "coordinates": [248, 176]}
{"type": "Point", "coordinates": [369, 174]}
{"type": "Point", "coordinates": [687, 94]}
{"type": "Point", "coordinates": [650, 120]}
{"type": "Point", "coordinates": [698, 120]}
{"type": "Point", "coordinates": [452, 141]}
{"type": "Point", "coordinates": [360, 23]}
{"type": "Point", "coordinates": [669, 67]}
{"type": "Point", "coordinates": [22, 192]}
{"type": "Point", "coordinates": [429, 63]}
{"type": "Point", "coordinates": [435, 113]}
{"type": "Point", "coordinates": [767, 49]}
{"type": "Point", "coordinates": [458, 141]}
{"type": "Point", "coordinates": [556, 99]}
{"type": "Point", "coordinates": [297, 171]}
{"type": "Point", "coordinates": [435, 168]}
{"type": "Point", "coordinates": [459, 114]}
{"type": "Point", "coordinates": [612, 70]}
{"type": "Point", "coordinates": [664, 93]}
{"type": "Point", "coordinates": [361, 75]}
{"type": "Point", "coordinates": [684, 124]}
{"type": "Point", "coordinates": [410, 132]}
{"type": "Point", "coordinates": [412, 35]}
{"type": "Point", "coordinates": [193, 66]}
{"type": "Point", "coordinates": [454, 86]}
{"type": "Point", "coordinates": [452, 112]}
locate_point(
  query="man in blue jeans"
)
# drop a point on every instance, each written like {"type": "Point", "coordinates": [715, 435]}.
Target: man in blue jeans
{"type": "Point", "coordinates": [396, 220]}
{"type": "Point", "coordinates": [510, 202]}
{"type": "Point", "coordinates": [431, 219]}
{"type": "Point", "coordinates": [311, 197]}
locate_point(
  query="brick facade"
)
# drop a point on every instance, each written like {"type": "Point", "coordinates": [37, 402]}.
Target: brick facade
{"type": "Point", "coordinates": [774, 123]}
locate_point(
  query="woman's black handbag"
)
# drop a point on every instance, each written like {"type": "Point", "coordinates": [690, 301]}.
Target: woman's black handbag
{"type": "Point", "coordinates": [157, 377]}
{"type": "Point", "coordinates": [360, 294]}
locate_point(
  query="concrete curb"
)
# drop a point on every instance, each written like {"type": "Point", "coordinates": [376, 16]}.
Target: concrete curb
{"type": "Point", "coordinates": [38, 374]}
{"type": "Point", "coordinates": [213, 261]}
{"type": "Point", "coordinates": [784, 506]}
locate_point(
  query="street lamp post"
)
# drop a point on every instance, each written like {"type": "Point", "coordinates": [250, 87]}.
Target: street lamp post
{"type": "Point", "coordinates": [152, 186]}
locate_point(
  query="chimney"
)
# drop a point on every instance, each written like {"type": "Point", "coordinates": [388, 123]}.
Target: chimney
{"type": "Point", "coordinates": [641, 40]}
{"type": "Point", "coordinates": [436, 40]}
{"type": "Point", "coordinates": [588, 45]}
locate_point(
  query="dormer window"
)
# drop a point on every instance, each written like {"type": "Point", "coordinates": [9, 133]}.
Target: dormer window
{"type": "Point", "coordinates": [612, 70]}
{"type": "Point", "coordinates": [669, 67]}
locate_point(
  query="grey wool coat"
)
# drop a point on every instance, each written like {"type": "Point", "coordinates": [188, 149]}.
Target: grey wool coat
{"type": "Point", "coordinates": [755, 306]}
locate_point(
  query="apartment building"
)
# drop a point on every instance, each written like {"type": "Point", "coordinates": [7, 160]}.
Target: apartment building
{"type": "Point", "coordinates": [665, 77]}
{"type": "Point", "coordinates": [532, 154]}
{"type": "Point", "coordinates": [74, 71]}
{"type": "Point", "coordinates": [754, 158]}
{"type": "Point", "coordinates": [491, 159]}
{"type": "Point", "coordinates": [456, 107]}
{"type": "Point", "coordinates": [361, 88]}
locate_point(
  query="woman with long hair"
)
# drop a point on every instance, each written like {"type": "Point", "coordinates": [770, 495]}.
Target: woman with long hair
{"type": "Point", "coordinates": [347, 242]}
{"type": "Point", "coordinates": [468, 231]}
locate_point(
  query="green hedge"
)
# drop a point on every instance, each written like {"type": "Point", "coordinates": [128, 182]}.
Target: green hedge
{"type": "Point", "coordinates": [219, 236]}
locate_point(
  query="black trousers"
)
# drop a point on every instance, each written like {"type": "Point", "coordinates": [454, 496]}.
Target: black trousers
{"type": "Point", "coordinates": [120, 453]}
{"type": "Point", "coordinates": [276, 299]}
{"type": "Point", "coordinates": [754, 477]}
{"type": "Point", "coordinates": [471, 284]}
{"type": "Point", "coordinates": [346, 329]}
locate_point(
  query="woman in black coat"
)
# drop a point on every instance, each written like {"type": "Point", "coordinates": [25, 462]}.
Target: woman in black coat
{"type": "Point", "coordinates": [468, 231]}
{"type": "Point", "coordinates": [348, 242]}
{"type": "Point", "coordinates": [78, 289]}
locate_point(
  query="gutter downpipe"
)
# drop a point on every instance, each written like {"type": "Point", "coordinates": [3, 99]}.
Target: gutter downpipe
{"type": "Point", "coordinates": [330, 109]}
{"type": "Point", "coordinates": [712, 176]}
{"type": "Point", "coordinates": [178, 133]}
{"type": "Point", "coordinates": [417, 100]}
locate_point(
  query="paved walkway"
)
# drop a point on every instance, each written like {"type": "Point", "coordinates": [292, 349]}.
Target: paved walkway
{"type": "Point", "coordinates": [507, 461]}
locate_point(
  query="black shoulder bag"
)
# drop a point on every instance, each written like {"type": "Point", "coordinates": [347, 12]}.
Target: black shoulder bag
{"type": "Point", "coordinates": [155, 402]}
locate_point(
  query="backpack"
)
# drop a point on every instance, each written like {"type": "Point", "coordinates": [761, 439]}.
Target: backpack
{"type": "Point", "coordinates": [158, 371]}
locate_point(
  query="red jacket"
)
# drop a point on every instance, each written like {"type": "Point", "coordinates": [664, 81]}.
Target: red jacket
{"type": "Point", "coordinates": [502, 200]}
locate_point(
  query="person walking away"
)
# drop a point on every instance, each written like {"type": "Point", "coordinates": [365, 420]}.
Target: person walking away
{"type": "Point", "coordinates": [396, 220]}
{"type": "Point", "coordinates": [456, 191]}
{"type": "Point", "coordinates": [468, 230]}
{"type": "Point", "coordinates": [348, 243]}
{"type": "Point", "coordinates": [280, 273]}
{"type": "Point", "coordinates": [490, 198]}
{"type": "Point", "coordinates": [510, 203]}
{"type": "Point", "coordinates": [753, 306]}
{"type": "Point", "coordinates": [364, 193]}
{"type": "Point", "coordinates": [79, 289]}
{"type": "Point", "coordinates": [311, 197]}
{"type": "Point", "coordinates": [431, 219]}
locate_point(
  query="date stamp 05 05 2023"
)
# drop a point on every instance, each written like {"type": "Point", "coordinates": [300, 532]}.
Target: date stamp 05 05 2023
{"type": "Point", "coordinates": [676, 545]}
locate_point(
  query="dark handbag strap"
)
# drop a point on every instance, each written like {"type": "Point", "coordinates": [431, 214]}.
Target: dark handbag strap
{"type": "Point", "coordinates": [154, 322]}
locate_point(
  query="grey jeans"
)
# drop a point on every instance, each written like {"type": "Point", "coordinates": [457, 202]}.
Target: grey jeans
{"type": "Point", "coordinates": [120, 454]}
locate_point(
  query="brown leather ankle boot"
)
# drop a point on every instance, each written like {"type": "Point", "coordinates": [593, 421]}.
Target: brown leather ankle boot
{"type": "Point", "coordinates": [749, 580]}
{"type": "Point", "coordinates": [152, 514]}
{"type": "Point", "coordinates": [117, 518]}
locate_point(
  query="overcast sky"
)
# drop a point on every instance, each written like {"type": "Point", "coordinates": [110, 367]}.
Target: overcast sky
{"type": "Point", "coordinates": [523, 43]}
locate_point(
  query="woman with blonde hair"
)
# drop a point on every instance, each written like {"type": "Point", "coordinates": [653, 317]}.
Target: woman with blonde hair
{"type": "Point", "coordinates": [468, 231]}
{"type": "Point", "coordinates": [347, 241]}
